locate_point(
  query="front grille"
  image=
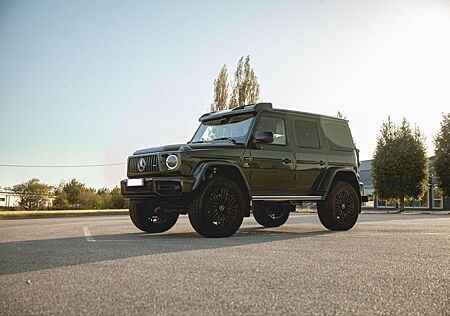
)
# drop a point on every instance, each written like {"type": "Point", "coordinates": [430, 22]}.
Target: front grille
{"type": "Point", "coordinates": [151, 164]}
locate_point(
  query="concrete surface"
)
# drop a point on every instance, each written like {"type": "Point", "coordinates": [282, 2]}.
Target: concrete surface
{"type": "Point", "coordinates": [393, 264]}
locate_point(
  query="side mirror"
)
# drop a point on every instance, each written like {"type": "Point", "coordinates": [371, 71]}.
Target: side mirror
{"type": "Point", "coordinates": [264, 137]}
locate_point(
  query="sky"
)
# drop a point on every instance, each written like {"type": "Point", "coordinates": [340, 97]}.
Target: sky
{"type": "Point", "coordinates": [89, 82]}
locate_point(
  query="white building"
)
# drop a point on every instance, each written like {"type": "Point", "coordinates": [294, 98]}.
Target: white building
{"type": "Point", "coordinates": [8, 198]}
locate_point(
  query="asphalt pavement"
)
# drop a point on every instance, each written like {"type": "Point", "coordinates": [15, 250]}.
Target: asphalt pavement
{"type": "Point", "coordinates": [388, 264]}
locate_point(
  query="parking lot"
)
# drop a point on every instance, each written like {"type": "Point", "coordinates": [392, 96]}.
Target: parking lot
{"type": "Point", "coordinates": [387, 264]}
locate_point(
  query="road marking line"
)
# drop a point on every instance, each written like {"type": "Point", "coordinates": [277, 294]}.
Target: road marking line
{"type": "Point", "coordinates": [118, 240]}
{"type": "Point", "coordinates": [88, 235]}
{"type": "Point", "coordinates": [435, 234]}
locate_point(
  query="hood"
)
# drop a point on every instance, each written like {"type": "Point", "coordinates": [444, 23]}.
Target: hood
{"type": "Point", "coordinates": [187, 147]}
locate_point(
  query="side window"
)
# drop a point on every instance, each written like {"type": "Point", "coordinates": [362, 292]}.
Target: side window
{"type": "Point", "coordinates": [306, 134]}
{"type": "Point", "coordinates": [339, 136]}
{"type": "Point", "coordinates": [276, 126]}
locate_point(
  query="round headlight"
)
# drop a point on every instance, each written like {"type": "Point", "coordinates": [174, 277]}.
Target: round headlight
{"type": "Point", "coordinates": [171, 162]}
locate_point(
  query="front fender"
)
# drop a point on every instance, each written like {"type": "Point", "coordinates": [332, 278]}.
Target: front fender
{"type": "Point", "coordinates": [199, 172]}
{"type": "Point", "coordinates": [224, 169]}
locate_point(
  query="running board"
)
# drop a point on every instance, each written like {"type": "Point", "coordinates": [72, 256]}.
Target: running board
{"type": "Point", "coordinates": [286, 198]}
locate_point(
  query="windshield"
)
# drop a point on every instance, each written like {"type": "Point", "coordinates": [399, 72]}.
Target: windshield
{"type": "Point", "coordinates": [233, 128]}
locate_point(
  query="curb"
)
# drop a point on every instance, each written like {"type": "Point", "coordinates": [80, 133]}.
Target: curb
{"type": "Point", "coordinates": [10, 217]}
{"type": "Point", "coordinates": [407, 212]}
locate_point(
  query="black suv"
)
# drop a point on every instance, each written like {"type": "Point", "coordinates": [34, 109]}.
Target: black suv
{"type": "Point", "coordinates": [249, 159]}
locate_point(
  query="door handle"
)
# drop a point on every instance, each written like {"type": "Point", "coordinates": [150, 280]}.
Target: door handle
{"type": "Point", "coordinates": [321, 162]}
{"type": "Point", "coordinates": [286, 160]}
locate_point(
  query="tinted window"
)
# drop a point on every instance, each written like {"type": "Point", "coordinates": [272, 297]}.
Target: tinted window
{"type": "Point", "coordinates": [276, 126]}
{"type": "Point", "coordinates": [306, 134]}
{"type": "Point", "coordinates": [339, 136]}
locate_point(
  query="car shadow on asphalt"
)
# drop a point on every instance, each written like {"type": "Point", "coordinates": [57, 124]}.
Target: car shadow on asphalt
{"type": "Point", "coordinates": [35, 255]}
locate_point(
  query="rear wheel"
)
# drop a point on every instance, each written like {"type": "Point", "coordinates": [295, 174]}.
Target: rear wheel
{"type": "Point", "coordinates": [270, 214]}
{"type": "Point", "coordinates": [151, 218]}
{"type": "Point", "coordinates": [341, 208]}
{"type": "Point", "coordinates": [217, 209]}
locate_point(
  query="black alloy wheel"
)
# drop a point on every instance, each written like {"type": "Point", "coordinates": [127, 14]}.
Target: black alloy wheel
{"type": "Point", "coordinates": [221, 206]}
{"type": "Point", "coordinates": [270, 214]}
{"type": "Point", "coordinates": [341, 208]}
{"type": "Point", "coordinates": [344, 205]}
{"type": "Point", "coordinates": [151, 218]}
{"type": "Point", "coordinates": [217, 208]}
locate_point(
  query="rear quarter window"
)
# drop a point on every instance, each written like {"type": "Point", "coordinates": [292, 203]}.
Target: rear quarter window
{"type": "Point", "coordinates": [338, 136]}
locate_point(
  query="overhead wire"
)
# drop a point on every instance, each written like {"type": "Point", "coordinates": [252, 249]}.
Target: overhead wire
{"type": "Point", "coordinates": [62, 166]}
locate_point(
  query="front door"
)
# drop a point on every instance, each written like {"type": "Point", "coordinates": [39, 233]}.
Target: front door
{"type": "Point", "coordinates": [272, 165]}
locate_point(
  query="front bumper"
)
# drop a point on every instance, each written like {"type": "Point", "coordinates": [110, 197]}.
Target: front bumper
{"type": "Point", "coordinates": [153, 187]}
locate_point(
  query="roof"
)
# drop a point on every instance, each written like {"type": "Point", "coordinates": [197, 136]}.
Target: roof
{"type": "Point", "coordinates": [260, 107]}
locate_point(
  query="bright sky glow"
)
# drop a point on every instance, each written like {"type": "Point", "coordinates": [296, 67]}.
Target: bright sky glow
{"type": "Point", "coordinates": [86, 82]}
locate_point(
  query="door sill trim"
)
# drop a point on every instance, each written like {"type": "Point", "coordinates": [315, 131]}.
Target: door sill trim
{"type": "Point", "coordinates": [286, 198]}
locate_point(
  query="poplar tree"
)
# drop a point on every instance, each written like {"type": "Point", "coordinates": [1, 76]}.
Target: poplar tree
{"type": "Point", "coordinates": [400, 165]}
{"type": "Point", "coordinates": [245, 84]}
{"type": "Point", "coordinates": [244, 88]}
{"type": "Point", "coordinates": [220, 91]}
{"type": "Point", "coordinates": [441, 165]}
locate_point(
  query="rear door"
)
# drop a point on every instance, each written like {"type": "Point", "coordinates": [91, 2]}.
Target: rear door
{"type": "Point", "coordinates": [272, 165]}
{"type": "Point", "coordinates": [310, 153]}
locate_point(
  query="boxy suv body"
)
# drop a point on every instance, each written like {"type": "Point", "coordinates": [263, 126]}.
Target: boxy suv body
{"type": "Point", "coordinates": [251, 159]}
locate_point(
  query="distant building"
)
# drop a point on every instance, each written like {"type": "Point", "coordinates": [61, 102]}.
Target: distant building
{"type": "Point", "coordinates": [432, 200]}
{"type": "Point", "coordinates": [8, 198]}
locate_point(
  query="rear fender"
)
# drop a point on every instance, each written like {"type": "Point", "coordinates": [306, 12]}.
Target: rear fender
{"type": "Point", "coordinates": [338, 174]}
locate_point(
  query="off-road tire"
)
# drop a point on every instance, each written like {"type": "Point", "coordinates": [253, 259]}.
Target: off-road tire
{"type": "Point", "coordinates": [149, 218]}
{"type": "Point", "coordinates": [268, 215]}
{"type": "Point", "coordinates": [341, 208]}
{"type": "Point", "coordinates": [218, 200]}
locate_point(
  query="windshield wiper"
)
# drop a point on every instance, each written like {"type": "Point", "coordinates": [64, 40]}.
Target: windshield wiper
{"type": "Point", "coordinates": [226, 138]}
{"type": "Point", "coordinates": [198, 142]}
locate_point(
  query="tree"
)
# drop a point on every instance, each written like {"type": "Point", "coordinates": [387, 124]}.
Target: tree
{"type": "Point", "coordinates": [221, 91]}
{"type": "Point", "coordinates": [400, 165]}
{"type": "Point", "coordinates": [73, 191]}
{"type": "Point", "coordinates": [117, 200]}
{"type": "Point", "coordinates": [33, 194]}
{"type": "Point", "coordinates": [441, 165]}
{"type": "Point", "coordinates": [89, 199]}
{"type": "Point", "coordinates": [76, 195]}
{"type": "Point", "coordinates": [245, 85]}
{"type": "Point", "coordinates": [60, 201]}
{"type": "Point", "coordinates": [104, 198]}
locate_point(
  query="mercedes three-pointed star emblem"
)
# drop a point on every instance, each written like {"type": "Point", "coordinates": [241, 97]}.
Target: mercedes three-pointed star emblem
{"type": "Point", "coordinates": [141, 164]}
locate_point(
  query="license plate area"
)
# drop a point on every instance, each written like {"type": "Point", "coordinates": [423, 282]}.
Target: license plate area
{"type": "Point", "coordinates": [135, 182]}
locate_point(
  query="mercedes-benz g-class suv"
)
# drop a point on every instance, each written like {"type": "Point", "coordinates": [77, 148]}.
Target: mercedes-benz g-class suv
{"type": "Point", "coordinates": [251, 159]}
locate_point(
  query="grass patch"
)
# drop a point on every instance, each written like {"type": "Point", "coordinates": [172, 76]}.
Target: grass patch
{"type": "Point", "coordinates": [57, 212]}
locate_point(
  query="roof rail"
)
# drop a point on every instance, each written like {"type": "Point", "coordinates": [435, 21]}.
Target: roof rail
{"type": "Point", "coordinates": [245, 108]}
{"type": "Point", "coordinates": [256, 106]}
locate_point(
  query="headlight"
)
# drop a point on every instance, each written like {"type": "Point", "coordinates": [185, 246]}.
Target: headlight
{"type": "Point", "coordinates": [171, 162]}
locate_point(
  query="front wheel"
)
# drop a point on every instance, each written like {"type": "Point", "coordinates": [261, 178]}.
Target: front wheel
{"type": "Point", "coordinates": [151, 218]}
{"type": "Point", "coordinates": [341, 208]}
{"type": "Point", "coordinates": [270, 214]}
{"type": "Point", "coordinates": [217, 209]}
